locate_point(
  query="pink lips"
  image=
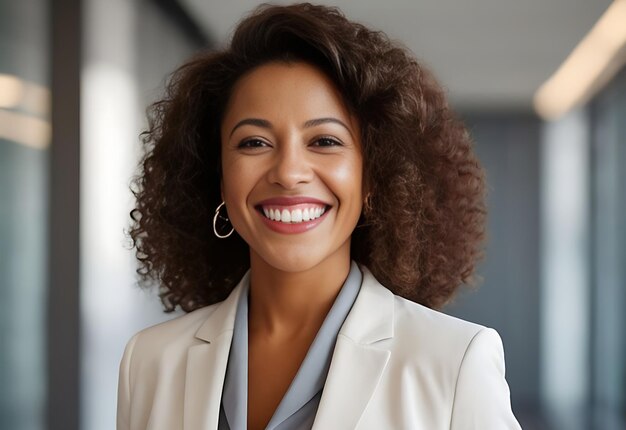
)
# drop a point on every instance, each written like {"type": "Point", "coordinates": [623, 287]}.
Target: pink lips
{"type": "Point", "coordinates": [286, 228]}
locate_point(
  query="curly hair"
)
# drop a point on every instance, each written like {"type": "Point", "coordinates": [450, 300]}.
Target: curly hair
{"type": "Point", "coordinates": [423, 232]}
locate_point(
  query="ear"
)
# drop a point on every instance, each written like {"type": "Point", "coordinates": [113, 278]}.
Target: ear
{"type": "Point", "coordinates": [365, 187]}
{"type": "Point", "coordinates": [366, 195]}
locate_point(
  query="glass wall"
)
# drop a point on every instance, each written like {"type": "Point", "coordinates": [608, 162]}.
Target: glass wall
{"type": "Point", "coordinates": [608, 256]}
{"type": "Point", "coordinates": [24, 143]}
{"type": "Point", "coordinates": [565, 287]}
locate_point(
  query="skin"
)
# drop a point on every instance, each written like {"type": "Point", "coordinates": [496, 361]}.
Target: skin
{"type": "Point", "coordinates": [295, 278]}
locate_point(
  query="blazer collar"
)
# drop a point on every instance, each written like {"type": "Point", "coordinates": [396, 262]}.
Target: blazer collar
{"type": "Point", "coordinates": [357, 367]}
{"type": "Point", "coordinates": [223, 318]}
{"type": "Point", "coordinates": [207, 362]}
{"type": "Point", "coordinates": [355, 370]}
{"type": "Point", "coordinates": [371, 318]}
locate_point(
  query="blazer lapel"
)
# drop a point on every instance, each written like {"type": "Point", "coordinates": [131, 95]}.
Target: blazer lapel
{"type": "Point", "coordinates": [206, 364]}
{"type": "Point", "coordinates": [356, 367]}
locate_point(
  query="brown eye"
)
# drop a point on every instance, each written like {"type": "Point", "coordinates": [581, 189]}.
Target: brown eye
{"type": "Point", "coordinates": [327, 141]}
{"type": "Point", "coordinates": [252, 143]}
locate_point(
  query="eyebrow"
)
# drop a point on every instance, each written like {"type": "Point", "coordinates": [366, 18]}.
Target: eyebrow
{"type": "Point", "coordinates": [310, 123]}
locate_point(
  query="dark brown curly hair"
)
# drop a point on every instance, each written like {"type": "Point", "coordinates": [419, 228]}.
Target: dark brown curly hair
{"type": "Point", "coordinates": [423, 233]}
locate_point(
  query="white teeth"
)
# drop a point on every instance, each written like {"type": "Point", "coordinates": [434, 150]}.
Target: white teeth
{"type": "Point", "coordinates": [295, 216]}
{"type": "Point", "coordinates": [285, 216]}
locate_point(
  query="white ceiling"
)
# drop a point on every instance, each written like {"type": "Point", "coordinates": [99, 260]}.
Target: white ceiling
{"type": "Point", "coordinates": [488, 54]}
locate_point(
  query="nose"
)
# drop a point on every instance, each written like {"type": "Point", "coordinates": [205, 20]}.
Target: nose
{"type": "Point", "coordinates": [290, 165]}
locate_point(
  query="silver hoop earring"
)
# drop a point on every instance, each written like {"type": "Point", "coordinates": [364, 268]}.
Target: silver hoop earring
{"type": "Point", "coordinates": [217, 214]}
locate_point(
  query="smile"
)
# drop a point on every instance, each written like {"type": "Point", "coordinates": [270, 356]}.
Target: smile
{"type": "Point", "coordinates": [294, 218]}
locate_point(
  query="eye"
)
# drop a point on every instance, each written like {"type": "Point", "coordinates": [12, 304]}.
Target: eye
{"type": "Point", "coordinates": [252, 143]}
{"type": "Point", "coordinates": [327, 141]}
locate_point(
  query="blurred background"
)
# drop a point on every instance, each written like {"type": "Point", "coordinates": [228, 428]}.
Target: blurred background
{"type": "Point", "coordinates": [540, 84]}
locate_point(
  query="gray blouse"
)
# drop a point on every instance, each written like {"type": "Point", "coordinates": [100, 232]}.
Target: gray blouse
{"type": "Point", "coordinates": [298, 406]}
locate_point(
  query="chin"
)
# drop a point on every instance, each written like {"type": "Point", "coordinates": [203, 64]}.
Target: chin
{"type": "Point", "coordinates": [294, 265]}
{"type": "Point", "coordinates": [292, 261]}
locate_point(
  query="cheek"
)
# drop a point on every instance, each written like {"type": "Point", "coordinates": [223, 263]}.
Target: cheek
{"type": "Point", "coordinates": [235, 182]}
{"type": "Point", "coordinates": [347, 168]}
{"type": "Point", "coordinates": [241, 176]}
{"type": "Point", "coordinates": [345, 173]}
{"type": "Point", "coordinates": [237, 185]}
{"type": "Point", "coordinates": [346, 178]}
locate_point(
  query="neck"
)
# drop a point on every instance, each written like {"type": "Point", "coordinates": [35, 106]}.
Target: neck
{"type": "Point", "coordinates": [284, 304]}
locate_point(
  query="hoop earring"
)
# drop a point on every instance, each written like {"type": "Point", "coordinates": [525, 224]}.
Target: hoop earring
{"type": "Point", "coordinates": [217, 214]}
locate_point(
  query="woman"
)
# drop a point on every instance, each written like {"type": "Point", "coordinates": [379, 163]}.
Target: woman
{"type": "Point", "coordinates": [309, 200]}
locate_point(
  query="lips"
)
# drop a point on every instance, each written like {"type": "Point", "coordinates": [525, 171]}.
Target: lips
{"type": "Point", "coordinates": [292, 205]}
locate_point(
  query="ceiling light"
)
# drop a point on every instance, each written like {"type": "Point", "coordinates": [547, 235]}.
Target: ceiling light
{"type": "Point", "coordinates": [588, 68]}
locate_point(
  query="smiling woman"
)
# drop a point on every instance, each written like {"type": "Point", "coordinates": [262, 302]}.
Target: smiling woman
{"type": "Point", "coordinates": [347, 206]}
{"type": "Point", "coordinates": [305, 151]}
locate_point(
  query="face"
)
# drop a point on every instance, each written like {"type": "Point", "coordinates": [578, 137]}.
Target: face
{"type": "Point", "coordinates": [292, 166]}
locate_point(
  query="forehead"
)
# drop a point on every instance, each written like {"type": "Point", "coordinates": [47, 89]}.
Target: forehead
{"type": "Point", "coordinates": [279, 90]}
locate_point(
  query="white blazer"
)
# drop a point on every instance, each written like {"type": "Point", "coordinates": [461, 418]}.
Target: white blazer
{"type": "Point", "coordinates": [396, 365]}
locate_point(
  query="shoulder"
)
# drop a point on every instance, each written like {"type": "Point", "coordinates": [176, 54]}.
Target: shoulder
{"type": "Point", "coordinates": [170, 341]}
{"type": "Point", "coordinates": [455, 359]}
{"type": "Point", "coordinates": [181, 326]}
{"type": "Point", "coordinates": [442, 337]}
{"type": "Point", "coordinates": [166, 337]}
{"type": "Point", "coordinates": [414, 322]}
{"type": "Point", "coordinates": [434, 355]}
{"type": "Point", "coordinates": [425, 336]}
{"type": "Point", "coordinates": [435, 359]}
{"type": "Point", "coordinates": [419, 320]}
{"type": "Point", "coordinates": [147, 350]}
{"type": "Point", "coordinates": [202, 325]}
